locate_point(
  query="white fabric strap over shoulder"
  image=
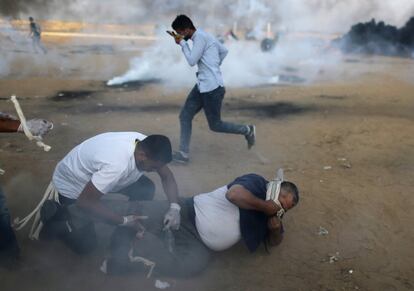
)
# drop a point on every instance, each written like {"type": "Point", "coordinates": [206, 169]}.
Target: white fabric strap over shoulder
{"type": "Point", "coordinates": [50, 194]}
{"type": "Point", "coordinates": [26, 130]}
{"type": "Point", "coordinates": [273, 191]}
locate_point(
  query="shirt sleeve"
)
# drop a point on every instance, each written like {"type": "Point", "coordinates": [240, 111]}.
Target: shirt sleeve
{"type": "Point", "coordinates": [195, 54]}
{"type": "Point", "coordinates": [106, 178]}
{"type": "Point", "coordinates": [256, 184]}
{"type": "Point", "coordinates": [223, 51]}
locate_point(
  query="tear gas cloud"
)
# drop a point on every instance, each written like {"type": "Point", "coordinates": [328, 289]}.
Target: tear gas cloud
{"type": "Point", "coordinates": [245, 64]}
{"type": "Point", "coordinates": [317, 15]}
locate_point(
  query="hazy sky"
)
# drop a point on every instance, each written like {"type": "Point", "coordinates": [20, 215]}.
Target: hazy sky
{"type": "Point", "coordinates": [327, 15]}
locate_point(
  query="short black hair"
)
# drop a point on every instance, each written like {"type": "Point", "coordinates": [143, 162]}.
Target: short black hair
{"type": "Point", "coordinates": [182, 22]}
{"type": "Point", "coordinates": [157, 147]}
{"type": "Point", "coordinates": [291, 188]}
{"type": "Point", "coordinates": [31, 18]}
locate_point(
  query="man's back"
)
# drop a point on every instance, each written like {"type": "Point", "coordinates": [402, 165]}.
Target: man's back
{"type": "Point", "coordinates": [106, 159]}
{"type": "Point", "coordinates": [35, 29]}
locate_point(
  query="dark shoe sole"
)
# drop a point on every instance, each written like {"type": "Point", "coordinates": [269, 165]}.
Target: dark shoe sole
{"type": "Point", "coordinates": [251, 144]}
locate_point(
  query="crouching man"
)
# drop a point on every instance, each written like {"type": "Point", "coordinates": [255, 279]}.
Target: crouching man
{"type": "Point", "coordinates": [112, 162]}
{"type": "Point", "coordinates": [213, 221]}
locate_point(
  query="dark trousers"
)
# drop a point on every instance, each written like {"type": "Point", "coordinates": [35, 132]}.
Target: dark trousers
{"type": "Point", "coordinates": [211, 103]}
{"type": "Point", "coordinates": [8, 241]}
{"type": "Point", "coordinates": [76, 227]}
{"type": "Point", "coordinates": [37, 44]}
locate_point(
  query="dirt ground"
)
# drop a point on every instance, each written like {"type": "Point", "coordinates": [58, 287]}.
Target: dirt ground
{"type": "Point", "coordinates": [347, 143]}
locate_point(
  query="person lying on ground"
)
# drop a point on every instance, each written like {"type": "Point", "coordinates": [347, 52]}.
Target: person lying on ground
{"type": "Point", "coordinates": [211, 222]}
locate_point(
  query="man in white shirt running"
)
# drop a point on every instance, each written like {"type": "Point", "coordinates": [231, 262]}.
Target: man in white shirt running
{"type": "Point", "coordinates": [208, 54]}
{"type": "Point", "coordinates": [112, 162]}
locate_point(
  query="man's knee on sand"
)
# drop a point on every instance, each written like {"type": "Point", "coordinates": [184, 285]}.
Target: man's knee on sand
{"type": "Point", "coordinates": [69, 224]}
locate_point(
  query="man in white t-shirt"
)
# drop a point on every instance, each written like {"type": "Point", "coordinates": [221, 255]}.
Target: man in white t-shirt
{"type": "Point", "coordinates": [112, 162]}
{"type": "Point", "coordinates": [213, 221]}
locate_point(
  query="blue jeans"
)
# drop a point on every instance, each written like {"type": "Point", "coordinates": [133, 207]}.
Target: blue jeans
{"type": "Point", "coordinates": [211, 103]}
{"type": "Point", "coordinates": [8, 241]}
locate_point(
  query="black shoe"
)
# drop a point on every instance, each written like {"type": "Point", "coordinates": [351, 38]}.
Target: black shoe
{"type": "Point", "coordinates": [48, 211]}
{"type": "Point", "coordinates": [251, 136]}
{"type": "Point", "coordinates": [180, 157]}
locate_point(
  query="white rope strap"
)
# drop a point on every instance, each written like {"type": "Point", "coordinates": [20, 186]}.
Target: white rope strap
{"type": "Point", "coordinates": [2, 171]}
{"type": "Point", "coordinates": [50, 194]}
{"type": "Point", "coordinates": [273, 191]}
{"type": "Point", "coordinates": [145, 261]}
{"type": "Point", "coordinates": [26, 130]}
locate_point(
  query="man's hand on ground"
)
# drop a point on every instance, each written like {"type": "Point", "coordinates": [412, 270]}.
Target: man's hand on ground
{"type": "Point", "coordinates": [38, 127]}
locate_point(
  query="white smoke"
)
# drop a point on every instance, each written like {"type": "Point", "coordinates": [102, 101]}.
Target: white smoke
{"type": "Point", "coordinates": [161, 61]}
{"type": "Point", "coordinates": [339, 15]}
{"type": "Point", "coordinates": [245, 64]}
{"type": "Point", "coordinates": [317, 15]}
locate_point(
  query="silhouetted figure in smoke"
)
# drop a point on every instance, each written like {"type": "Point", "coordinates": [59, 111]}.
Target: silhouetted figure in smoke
{"type": "Point", "coordinates": [208, 54]}
{"type": "Point", "coordinates": [36, 34]}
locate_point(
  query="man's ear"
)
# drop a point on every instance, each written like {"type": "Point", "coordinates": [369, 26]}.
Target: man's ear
{"type": "Point", "coordinates": [141, 155]}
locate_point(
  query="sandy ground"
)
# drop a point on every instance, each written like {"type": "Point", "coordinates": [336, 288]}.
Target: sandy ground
{"type": "Point", "coordinates": [348, 144]}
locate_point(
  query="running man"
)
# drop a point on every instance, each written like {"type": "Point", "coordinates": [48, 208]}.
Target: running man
{"type": "Point", "coordinates": [208, 53]}
{"type": "Point", "coordinates": [36, 34]}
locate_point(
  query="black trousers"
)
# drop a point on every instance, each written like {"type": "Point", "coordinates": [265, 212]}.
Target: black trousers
{"type": "Point", "coordinates": [76, 227]}
{"type": "Point", "coordinates": [8, 241]}
{"type": "Point", "coordinates": [186, 257]}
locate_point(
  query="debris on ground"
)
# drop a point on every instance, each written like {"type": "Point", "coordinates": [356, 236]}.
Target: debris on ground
{"type": "Point", "coordinates": [333, 258]}
{"type": "Point", "coordinates": [346, 165]}
{"type": "Point", "coordinates": [161, 284]}
{"type": "Point", "coordinates": [323, 231]}
{"type": "Point", "coordinates": [327, 168]}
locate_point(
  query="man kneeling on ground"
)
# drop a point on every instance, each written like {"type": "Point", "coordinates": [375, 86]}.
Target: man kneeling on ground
{"type": "Point", "coordinates": [111, 162]}
{"type": "Point", "coordinates": [212, 221]}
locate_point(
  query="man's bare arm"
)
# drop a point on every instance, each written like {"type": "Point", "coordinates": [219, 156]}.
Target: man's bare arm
{"type": "Point", "coordinates": [275, 231]}
{"type": "Point", "coordinates": [90, 200]}
{"type": "Point", "coordinates": [244, 199]}
{"type": "Point", "coordinates": [169, 184]}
